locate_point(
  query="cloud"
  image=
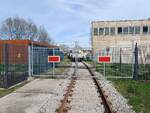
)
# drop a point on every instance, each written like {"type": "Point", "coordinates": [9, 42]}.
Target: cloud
{"type": "Point", "coordinates": [69, 20]}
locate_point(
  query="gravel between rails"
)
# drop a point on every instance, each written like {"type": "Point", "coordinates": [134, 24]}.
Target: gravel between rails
{"type": "Point", "coordinates": [119, 104]}
{"type": "Point", "coordinates": [85, 98]}
{"type": "Point", "coordinates": [53, 102]}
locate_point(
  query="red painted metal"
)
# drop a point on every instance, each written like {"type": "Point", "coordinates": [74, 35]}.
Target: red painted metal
{"type": "Point", "coordinates": [53, 58]}
{"type": "Point", "coordinates": [104, 59]}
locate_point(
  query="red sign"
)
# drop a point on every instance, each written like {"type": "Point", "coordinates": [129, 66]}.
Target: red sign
{"type": "Point", "coordinates": [53, 58]}
{"type": "Point", "coordinates": [104, 59]}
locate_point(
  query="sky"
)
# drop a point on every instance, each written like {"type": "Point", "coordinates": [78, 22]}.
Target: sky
{"type": "Point", "coordinates": [68, 21]}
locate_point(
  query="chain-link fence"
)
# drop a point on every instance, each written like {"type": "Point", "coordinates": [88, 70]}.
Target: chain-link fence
{"type": "Point", "coordinates": [13, 64]}
{"type": "Point", "coordinates": [120, 65]}
{"type": "Point", "coordinates": [22, 58]}
{"type": "Point", "coordinates": [41, 66]}
{"type": "Point", "coordinates": [143, 62]}
{"type": "Point", "coordinates": [126, 62]}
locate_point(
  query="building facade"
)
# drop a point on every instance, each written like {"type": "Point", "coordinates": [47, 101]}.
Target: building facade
{"type": "Point", "coordinates": [124, 33]}
{"type": "Point", "coordinates": [22, 58]}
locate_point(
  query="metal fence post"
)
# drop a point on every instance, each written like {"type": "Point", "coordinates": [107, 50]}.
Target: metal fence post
{"type": "Point", "coordinates": [132, 58]}
{"type": "Point", "coordinates": [53, 63]}
{"type": "Point", "coordinates": [135, 74]}
{"type": "Point", "coordinates": [32, 59]}
{"type": "Point", "coordinates": [104, 69]}
{"type": "Point", "coordinates": [29, 61]}
{"type": "Point", "coordinates": [5, 82]}
{"type": "Point", "coordinates": [120, 59]}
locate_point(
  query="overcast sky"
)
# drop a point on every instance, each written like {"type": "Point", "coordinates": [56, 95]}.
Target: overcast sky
{"type": "Point", "coordinates": [69, 20]}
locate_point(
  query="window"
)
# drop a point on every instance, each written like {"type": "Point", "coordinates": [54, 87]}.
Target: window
{"type": "Point", "coordinates": [106, 30]}
{"type": "Point", "coordinates": [145, 29]}
{"type": "Point", "coordinates": [137, 30]}
{"type": "Point", "coordinates": [101, 31]}
{"type": "Point", "coordinates": [125, 30]}
{"type": "Point", "coordinates": [119, 30]}
{"type": "Point", "coordinates": [112, 31]}
{"type": "Point", "coordinates": [131, 30]}
{"type": "Point", "coordinates": [95, 31]}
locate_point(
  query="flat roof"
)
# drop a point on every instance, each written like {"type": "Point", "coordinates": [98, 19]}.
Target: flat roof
{"type": "Point", "coordinates": [120, 20]}
{"type": "Point", "coordinates": [27, 42]}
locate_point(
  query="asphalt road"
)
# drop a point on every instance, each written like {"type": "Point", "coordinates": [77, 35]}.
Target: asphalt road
{"type": "Point", "coordinates": [30, 97]}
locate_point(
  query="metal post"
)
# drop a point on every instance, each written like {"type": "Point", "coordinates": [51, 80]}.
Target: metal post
{"type": "Point", "coordinates": [95, 60]}
{"type": "Point", "coordinates": [53, 63]}
{"type": "Point", "coordinates": [29, 61]}
{"type": "Point", "coordinates": [136, 63]}
{"type": "Point", "coordinates": [5, 83]}
{"type": "Point", "coordinates": [132, 58]}
{"type": "Point", "coordinates": [32, 58]}
{"type": "Point", "coordinates": [104, 69]}
{"type": "Point", "coordinates": [120, 58]}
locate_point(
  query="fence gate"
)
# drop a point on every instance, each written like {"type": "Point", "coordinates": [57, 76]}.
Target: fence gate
{"type": "Point", "coordinates": [39, 65]}
{"type": "Point", "coordinates": [120, 65]}
{"type": "Point", "coordinates": [126, 62]}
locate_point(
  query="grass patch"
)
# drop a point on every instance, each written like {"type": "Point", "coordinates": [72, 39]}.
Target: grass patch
{"type": "Point", "coordinates": [114, 69]}
{"type": "Point", "coordinates": [60, 67]}
{"type": "Point", "coordinates": [39, 69]}
{"type": "Point", "coordinates": [4, 92]}
{"type": "Point", "coordinates": [137, 92]}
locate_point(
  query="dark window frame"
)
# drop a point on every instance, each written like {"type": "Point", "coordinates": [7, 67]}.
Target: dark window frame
{"type": "Point", "coordinates": [137, 30]}
{"type": "Point", "coordinates": [131, 29]}
{"type": "Point", "coordinates": [95, 31]}
{"type": "Point", "coordinates": [119, 30]}
{"type": "Point", "coordinates": [101, 31]}
{"type": "Point", "coordinates": [145, 30]}
{"type": "Point", "coordinates": [112, 30]}
{"type": "Point", "coordinates": [125, 30]}
{"type": "Point", "coordinates": [107, 33]}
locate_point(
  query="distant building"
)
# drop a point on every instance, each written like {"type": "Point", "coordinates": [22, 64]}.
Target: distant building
{"type": "Point", "coordinates": [109, 34]}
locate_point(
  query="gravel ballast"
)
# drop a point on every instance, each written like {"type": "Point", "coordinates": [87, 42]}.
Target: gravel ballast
{"type": "Point", "coordinates": [85, 98]}
{"type": "Point", "coordinates": [119, 104]}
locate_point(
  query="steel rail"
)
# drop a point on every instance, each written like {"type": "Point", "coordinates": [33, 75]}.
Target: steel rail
{"type": "Point", "coordinates": [106, 102]}
{"type": "Point", "coordinates": [63, 108]}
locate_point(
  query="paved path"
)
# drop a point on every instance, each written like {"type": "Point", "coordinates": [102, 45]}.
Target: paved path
{"type": "Point", "coordinates": [30, 97]}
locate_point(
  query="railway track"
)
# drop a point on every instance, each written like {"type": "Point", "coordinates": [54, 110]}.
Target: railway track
{"type": "Point", "coordinates": [84, 94]}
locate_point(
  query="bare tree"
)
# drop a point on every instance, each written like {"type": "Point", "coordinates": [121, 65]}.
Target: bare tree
{"type": "Point", "coordinates": [14, 28]}
{"type": "Point", "coordinates": [7, 28]}
{"type": "Point", "coordinates": [19, 28]}
{"type": "Point", "coordinates": [31, 31]}
{"type": "Point", "coordinates": [43, 36]}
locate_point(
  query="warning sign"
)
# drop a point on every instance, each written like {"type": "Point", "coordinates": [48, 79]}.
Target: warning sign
{"type": "Point", "coordinates": [103, 59]}
{"type": "Point", "coordinates": [54, 59]}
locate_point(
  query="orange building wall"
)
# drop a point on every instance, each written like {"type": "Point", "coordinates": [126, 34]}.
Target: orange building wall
{"type": "Point", "coordinates": [16, 53]}
{"type": "Point", "coordinates": [18, 50]}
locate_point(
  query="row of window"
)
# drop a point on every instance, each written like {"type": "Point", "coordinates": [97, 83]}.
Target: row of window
{"type": "Point", "coordinates": [121, 30]}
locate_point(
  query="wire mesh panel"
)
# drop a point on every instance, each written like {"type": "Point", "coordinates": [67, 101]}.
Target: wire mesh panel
{"type": "Point", "coordinates": [1, 65]}
{"type": "Point", "coordinates": [120, 65]}
{"type": "Point", "coordinates": [41, 66]}
{"type": "Point", "coordinates": [144, 62]}
{"type": "Point", "coordinates": [40, 63]}
{"type": "Point", "coordinates": [13, 64]}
